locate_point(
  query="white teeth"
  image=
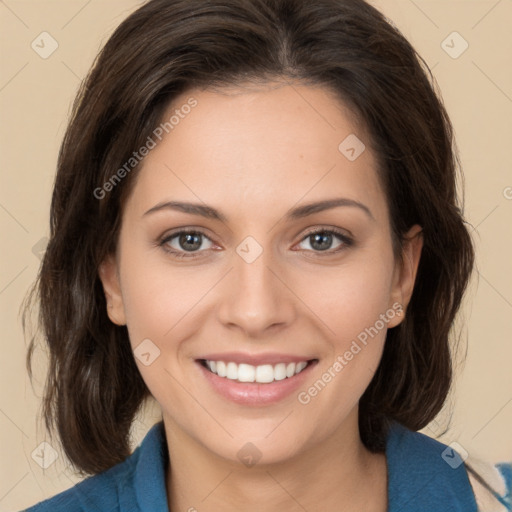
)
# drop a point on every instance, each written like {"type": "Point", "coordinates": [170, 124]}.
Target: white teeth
{"type": "Point", "coordinates": [300, 366]}
{"type": "Point", "coordinates": [221, 368]}
{"type": "Point", "coordinates": [280, 371]}
{"type": "Point", "coordinates": [232, 371]}
{"type": "Point", "coordinates": [246, 373]}
{"type": "Point", "coordinates": [263, 374]}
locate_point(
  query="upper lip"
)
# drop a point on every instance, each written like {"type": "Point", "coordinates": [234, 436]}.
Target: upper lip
{"type": "Point", "coordinates": [255, 359]}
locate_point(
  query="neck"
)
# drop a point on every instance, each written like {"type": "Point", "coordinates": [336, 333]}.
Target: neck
{"type": "Point", "coordinates": [339, 474]}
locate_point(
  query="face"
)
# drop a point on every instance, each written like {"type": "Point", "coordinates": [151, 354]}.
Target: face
{"type": "Point", "coordinates": [250, 277]}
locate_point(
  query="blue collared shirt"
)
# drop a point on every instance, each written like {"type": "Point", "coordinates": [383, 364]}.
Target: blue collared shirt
{"type": "Point", "coordinates": [424, 475]}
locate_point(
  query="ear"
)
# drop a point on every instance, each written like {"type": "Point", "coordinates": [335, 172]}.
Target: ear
{"type": "Point", "coordinates": [405, 274]}
{"type": "Point", "coordinates": [109, 276]}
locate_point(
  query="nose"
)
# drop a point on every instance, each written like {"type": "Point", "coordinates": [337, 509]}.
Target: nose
{"type": "Point", "coordinates": [255, 297]}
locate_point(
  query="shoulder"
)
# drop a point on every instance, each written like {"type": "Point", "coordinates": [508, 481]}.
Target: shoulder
{"type": "Point", "coordinates": [98, 492]}
{"type": "Point", "coordinates": [424, 474]}
{"type": "Point", "coordinates": [134, 484]}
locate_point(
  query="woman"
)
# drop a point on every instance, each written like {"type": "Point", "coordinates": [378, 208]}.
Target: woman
{"type": "Point", "coordinates": [255, 222]}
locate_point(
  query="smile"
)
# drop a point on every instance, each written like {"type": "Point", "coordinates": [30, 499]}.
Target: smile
{"type": "Point", "coordinates": [261, 374]}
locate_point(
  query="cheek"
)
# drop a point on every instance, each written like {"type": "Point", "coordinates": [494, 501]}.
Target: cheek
{"type": "Point", "coordinates": [158, 298]}
{"type": "Point", "coordinates": [159, 306]}
{"type": "Point", "coordinates": [354, 309]}
{"type": "Point", "coordinates": [350, 298]}
{"type": "Point", "coordinates": [353, 305]}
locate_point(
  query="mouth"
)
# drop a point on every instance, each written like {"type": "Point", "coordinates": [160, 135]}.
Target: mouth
{"type": "Point", "coordinates": [260, 374]}
{"type": "Point", "coordinates": [255, 385]}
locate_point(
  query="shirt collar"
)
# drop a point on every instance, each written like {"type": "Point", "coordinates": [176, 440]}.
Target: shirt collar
{"type": "Point", "coordinates": [422, 472]}
{"type": "Point", "coordinates": [150, 485]}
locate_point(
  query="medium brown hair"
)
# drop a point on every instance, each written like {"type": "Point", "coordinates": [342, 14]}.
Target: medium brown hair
{"type": "Point", "coordinates": [166, 47]}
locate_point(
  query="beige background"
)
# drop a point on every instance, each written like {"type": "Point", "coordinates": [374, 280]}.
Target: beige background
{"type": "Point", "coordinates": [35, 98]}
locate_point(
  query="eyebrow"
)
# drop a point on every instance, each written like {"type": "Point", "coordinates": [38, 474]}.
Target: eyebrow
{"type": "Point", "coordinates": [293, 214]}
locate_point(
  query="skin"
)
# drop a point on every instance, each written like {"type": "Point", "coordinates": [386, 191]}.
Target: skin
{"type": "Point", "coordinates": [254, 153]}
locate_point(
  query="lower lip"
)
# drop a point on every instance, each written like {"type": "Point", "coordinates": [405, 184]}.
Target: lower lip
{"type": "Point", "coordinates": [254, 393]}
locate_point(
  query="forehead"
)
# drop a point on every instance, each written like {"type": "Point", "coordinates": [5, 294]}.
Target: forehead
{"type": "Point", "coordinates": [255, 149]}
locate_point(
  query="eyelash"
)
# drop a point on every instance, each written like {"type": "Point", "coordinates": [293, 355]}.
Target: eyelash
{"type": "Point", "coordinates": [347, 242]}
